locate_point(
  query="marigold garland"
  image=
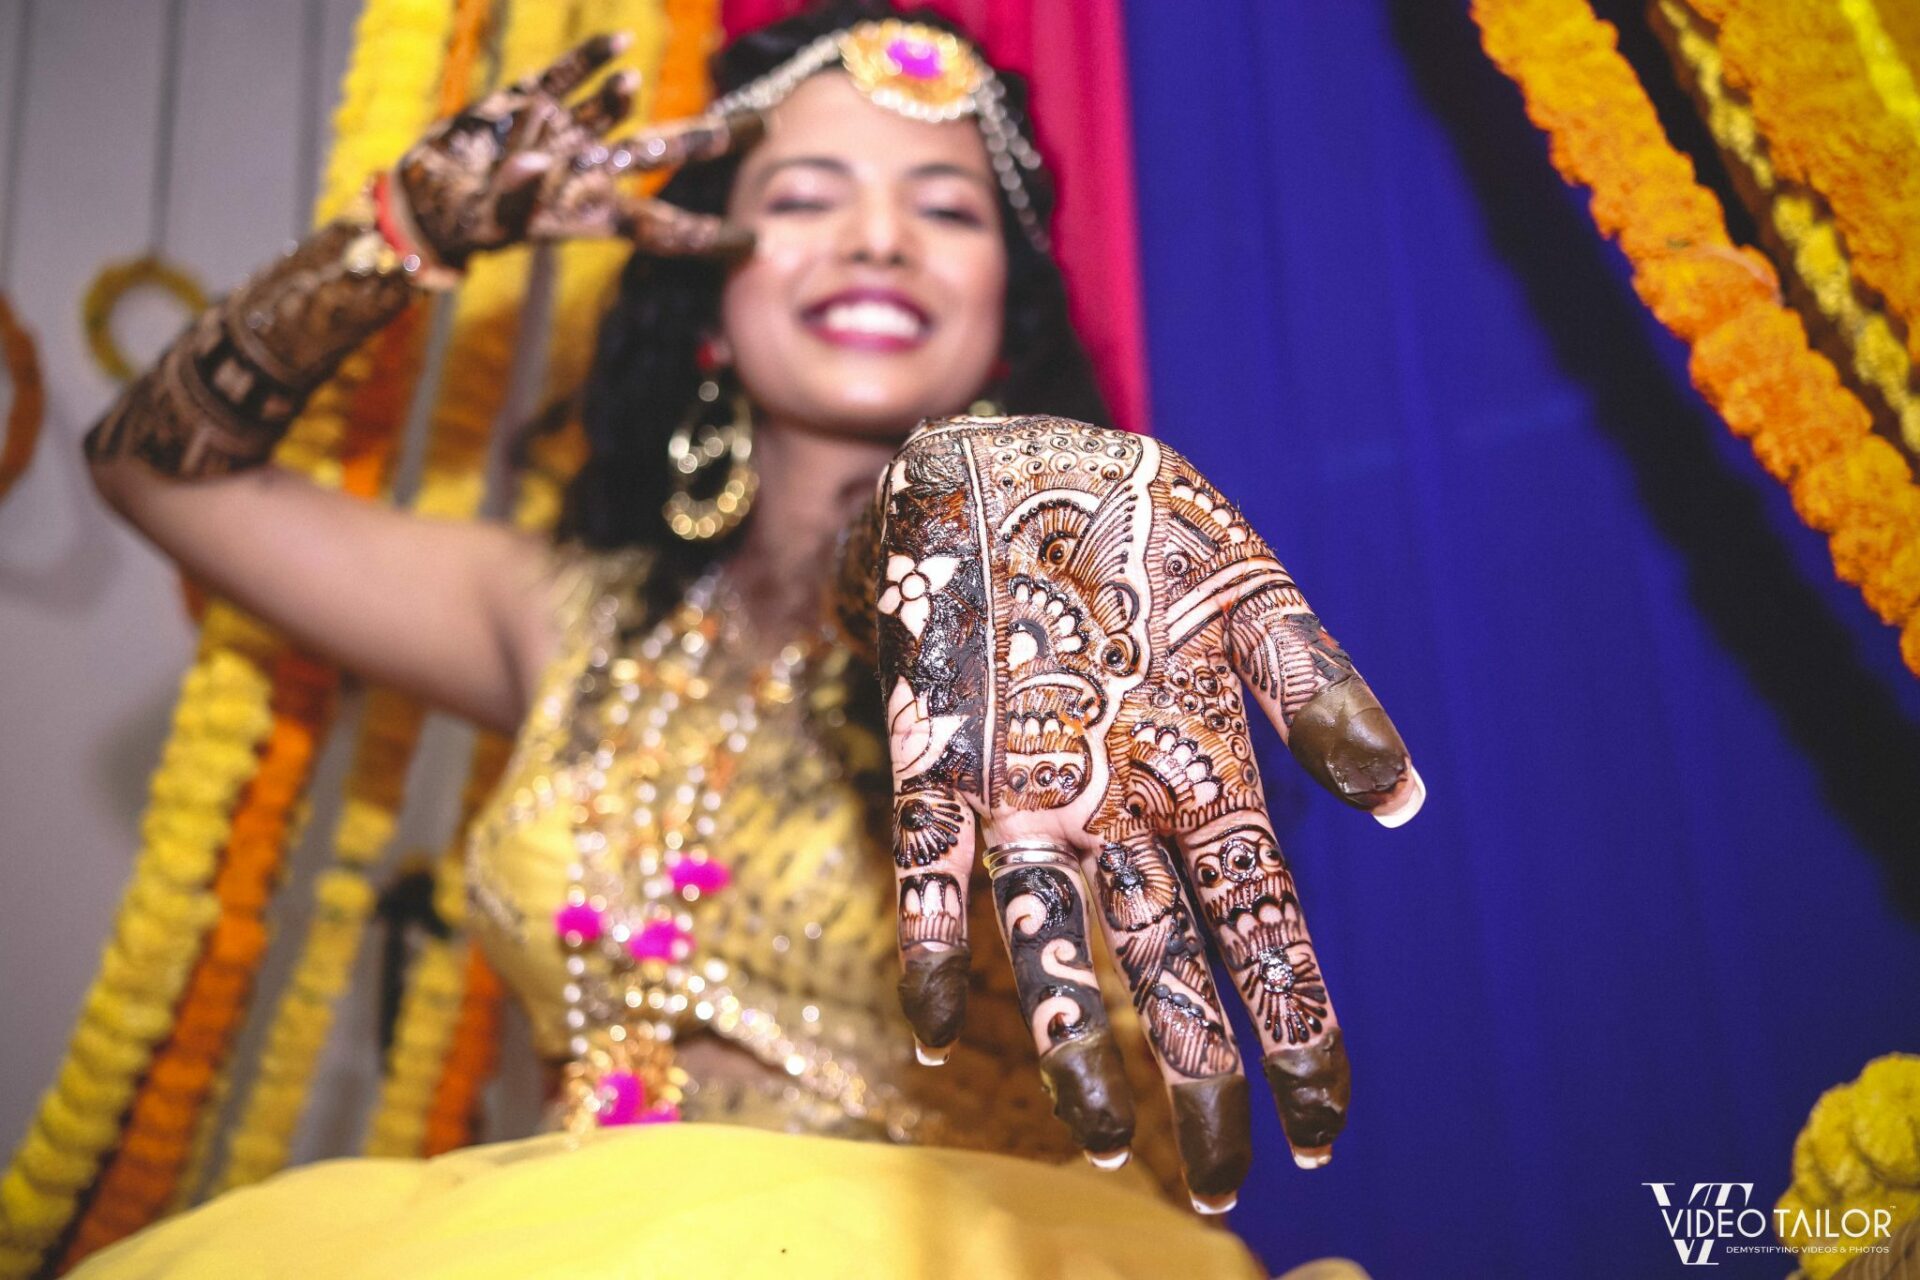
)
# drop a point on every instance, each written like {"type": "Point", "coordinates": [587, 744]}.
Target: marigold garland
{"type": "Point", "coordinates": [587, 271]}
{"type": "Point", "coordinates": [169, 1115]}
{"type": "Point", "coordinates": [115, 281]}
{"type": "Point", "coordinates": [434, 997]}
{"type": "Point", "coordinates": [452, 486]}
{"type": "Point", "coordinates": [219, 722]}
{"type": "Point", "coordinates": [1813, 244]}
{"type": "Point", "coordinates": [29, 405]}
{"type": "Point", "coordinates": [1800, 67]}
{"type": "Point", "coordinates": [1860, 1150]}
{"type": "Point", "coordinates": [343, 899]}
{"type": "Point", "coordinates": [1751, 358]}
{"type": "Point", "coordinates": [443, 1050]}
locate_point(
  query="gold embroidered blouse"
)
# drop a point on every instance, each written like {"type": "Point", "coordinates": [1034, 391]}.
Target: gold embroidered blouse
{"type": "Point", "coordinates": [793, 963]}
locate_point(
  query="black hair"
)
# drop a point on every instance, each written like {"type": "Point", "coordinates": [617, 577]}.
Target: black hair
{"type": "Point", "coordinates": [644, 377]}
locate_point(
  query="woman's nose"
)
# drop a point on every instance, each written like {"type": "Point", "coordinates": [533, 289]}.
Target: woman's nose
{"type": "Point", "coordinates": [878, 233]}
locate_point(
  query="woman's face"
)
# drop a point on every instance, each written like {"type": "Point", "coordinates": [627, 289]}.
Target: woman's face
{"type": "Point", "coordinates": [875, 292]}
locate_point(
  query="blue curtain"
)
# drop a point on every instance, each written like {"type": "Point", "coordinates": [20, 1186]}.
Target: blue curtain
{"type": "Point", "coordinates": [1666, 888]}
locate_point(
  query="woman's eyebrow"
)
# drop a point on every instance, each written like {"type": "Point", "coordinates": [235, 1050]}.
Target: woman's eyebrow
{"type": "Point", "coordinates": [828, 163]}
{"type": "Point", "coordinates": [947, 169]}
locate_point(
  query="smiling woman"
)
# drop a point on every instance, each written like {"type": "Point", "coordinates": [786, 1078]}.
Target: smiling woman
{"type": "Point", "coordinates": [828, 324]}
{"type": "Point", "coordinates": [683, 873]}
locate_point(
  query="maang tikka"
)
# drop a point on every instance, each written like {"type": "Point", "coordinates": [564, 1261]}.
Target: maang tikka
{"type": "Point", "coordinates": [920, 72]}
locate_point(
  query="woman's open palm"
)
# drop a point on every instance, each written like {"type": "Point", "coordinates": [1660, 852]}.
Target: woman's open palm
{"type": "Point", "coordinates": [1066, 616]}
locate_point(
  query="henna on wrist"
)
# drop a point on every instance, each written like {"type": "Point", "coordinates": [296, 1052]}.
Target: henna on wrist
{"type": "Point", "coordinates": [221, 396]}
{"type": "Point", "coordinates": [852, 589]}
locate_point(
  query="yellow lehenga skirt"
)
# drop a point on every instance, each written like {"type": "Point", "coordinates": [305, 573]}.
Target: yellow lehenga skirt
{"type": "Point", "coordinates": [684, 1200]}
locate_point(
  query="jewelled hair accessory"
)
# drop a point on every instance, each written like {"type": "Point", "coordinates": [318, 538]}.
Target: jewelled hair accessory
{"type": "Point", "coordinates": [920, 72]}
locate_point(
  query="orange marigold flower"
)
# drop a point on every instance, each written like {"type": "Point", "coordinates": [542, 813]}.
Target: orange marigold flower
{"type": "Point", "coordinates": [1695, 291]}
{"type": "Point", "coordinates": [1848, 486]}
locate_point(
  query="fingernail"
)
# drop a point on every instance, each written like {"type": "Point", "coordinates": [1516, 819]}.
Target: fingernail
{"type": "Point", "coordinates": [1403, 812]}
{"type": "Point", "coordinates": [929, 1057]}
{"type": "Point", "coordinates": [620, 41]}
{"type": "Point", "coordinates": [1312, 1157]}
{"type": "Point", "coordinates": [1212, 1205]}
{"type": "Point", "coordinates": [1110, 1160]}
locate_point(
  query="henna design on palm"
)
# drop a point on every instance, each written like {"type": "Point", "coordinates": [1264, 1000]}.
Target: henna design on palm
{"type": "Point", "coordinates": [520, 164]}
{"type": "Point", "coordinates": [1066, 616]}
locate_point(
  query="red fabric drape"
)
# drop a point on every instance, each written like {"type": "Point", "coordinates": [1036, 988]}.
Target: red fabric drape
{"type": "Point", "coordinates": [1075, 56]}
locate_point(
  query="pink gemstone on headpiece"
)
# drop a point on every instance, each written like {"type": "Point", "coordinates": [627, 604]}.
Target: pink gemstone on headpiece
{"type": "Point", "coordinates": [917, 58]}
{"type": "Point", "coordinates": [621, 1096]}
{"type": "Point", "coordinates": [704, 876]}
{"type": "Point", "coordinates": [659, 940]}
{"type": "Point", "coordinates": [577, 919]}
{"type": "Point", "coordinates": [660, 1113]}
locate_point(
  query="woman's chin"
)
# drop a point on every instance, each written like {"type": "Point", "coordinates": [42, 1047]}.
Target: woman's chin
{"type": "Point", "coordinates": [890, 418]}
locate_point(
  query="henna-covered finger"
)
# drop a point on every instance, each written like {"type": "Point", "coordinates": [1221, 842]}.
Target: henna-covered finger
{"type": "Point", "coordinates": [575, 67]}
{"type": "Point", "coordinates": [609, 104]}
{"type": "Point", "coordinates": [1306, 683]}
{"type": "Point", "coordinates": [691, 141]}
{"type": "Point", "coordinates": [1040, 899]}
{"type": "Point", "coordinates": [1250, 902]}
{"type": "Point", "coordinates": [933, 851]}
{"type": "Point", "coordinates": [672, 232]}
{"type": "Point", "coordinates": [1150, 926]}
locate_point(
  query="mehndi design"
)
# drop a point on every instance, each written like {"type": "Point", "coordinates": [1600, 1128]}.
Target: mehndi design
{"type": "Point", "coordinates": [518, 165]}
{"type": "Point", "coordinates": [1066, 614]}
{"type": "Point", "coordinates": [522, 165]}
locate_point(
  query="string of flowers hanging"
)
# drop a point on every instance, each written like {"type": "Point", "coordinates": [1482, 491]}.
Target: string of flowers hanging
{"type": "Point", "coordinates": [151, 269]}
{"type": "Point", "coordinates": [18, 352]}
{"type": "Point", "coordinates": [224, 714]}
{"type": "Point", "coordinates": [1751, 357]}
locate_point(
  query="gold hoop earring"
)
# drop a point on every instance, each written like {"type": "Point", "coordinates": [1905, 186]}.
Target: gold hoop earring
{"type": "Point", "coordinates": [697, 446]}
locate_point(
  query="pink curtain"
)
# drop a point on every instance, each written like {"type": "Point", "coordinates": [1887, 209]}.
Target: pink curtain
{"type": "Point", "coordinates": [1074, 53]}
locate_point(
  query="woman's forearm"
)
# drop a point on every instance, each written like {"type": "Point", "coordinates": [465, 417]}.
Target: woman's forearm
{"type": "Point", "coordinates": [221, 396]}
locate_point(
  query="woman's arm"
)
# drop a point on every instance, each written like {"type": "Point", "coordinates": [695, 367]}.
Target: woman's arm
{"type": "Point", "coordinates": [436, 609]}
{"type": "Point", "coordinates": [452, 612]}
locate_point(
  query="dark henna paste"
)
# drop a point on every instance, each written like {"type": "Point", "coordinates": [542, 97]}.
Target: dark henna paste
{"type": "Point", "coordinates": [1088, 1085]}
{"type": "Point", "coordinates": [1215, 1130]}
{"type": "Point", "coordinates": [933, 992]}
{"type": "Point", "coordinates": [1311, 1084]}
{"type": "Point", "coordinates": [1344, 739]}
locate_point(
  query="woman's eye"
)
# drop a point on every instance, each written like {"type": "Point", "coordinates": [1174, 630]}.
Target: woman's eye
{"type": "Point", "coordinates": [796, 204]}
{"type": "Point", "coordinates": [956, 214]}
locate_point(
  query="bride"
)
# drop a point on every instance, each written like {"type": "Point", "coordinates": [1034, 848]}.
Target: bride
{"type": "Point", "coordinates": [684, 873]}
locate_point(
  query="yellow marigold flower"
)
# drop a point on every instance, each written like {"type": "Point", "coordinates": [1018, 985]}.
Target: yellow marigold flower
{"type": "Point", "coordinates": [34, 1216]}
{"type": "Point", "coordinates": [53, 1167]}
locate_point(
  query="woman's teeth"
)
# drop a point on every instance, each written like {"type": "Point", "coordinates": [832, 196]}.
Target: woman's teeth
{"type": "Point", "coordinates": [879, 319]}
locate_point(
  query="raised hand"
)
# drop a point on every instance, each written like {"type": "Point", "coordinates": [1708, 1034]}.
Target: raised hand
{"type": "Point", "coordinates": [521, 164]}
{"type": "Point", "coordinates": [1066, 614]}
